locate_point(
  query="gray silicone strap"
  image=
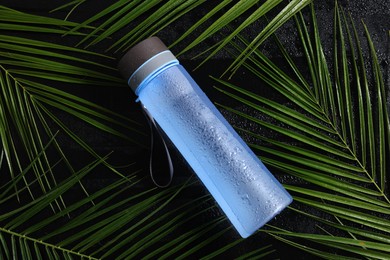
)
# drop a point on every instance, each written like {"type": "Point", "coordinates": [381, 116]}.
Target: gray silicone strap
{"type": "Point", "coordinates": [153, 126]}
{"type": "Point", "coordinates": [151, 65]}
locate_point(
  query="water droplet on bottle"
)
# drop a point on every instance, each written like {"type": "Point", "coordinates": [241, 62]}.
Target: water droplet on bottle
{"type": "Point", "coordinates": [245, 199]}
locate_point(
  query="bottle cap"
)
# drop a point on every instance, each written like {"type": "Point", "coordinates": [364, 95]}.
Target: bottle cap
{"type": "Point", "coordinates": [143, 59]}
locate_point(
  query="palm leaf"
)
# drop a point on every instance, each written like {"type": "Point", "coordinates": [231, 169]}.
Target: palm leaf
{"type": "Point", "coordinates": [346, 184]}
{"type": "Point", "coordinates": [237, 10]}
{"type": "Point", "coordinates": [23, 99]}
{"type": "Point", "coordinates": [289, 11]}
{"type": "Point", "coordinates": [25, 61]}
{"type": "Point", "coordinates": [117, 16]}
{"type": "Point", "coordinates": [13, 20]}
{"type": "Point", "coordinates": [121, 13]}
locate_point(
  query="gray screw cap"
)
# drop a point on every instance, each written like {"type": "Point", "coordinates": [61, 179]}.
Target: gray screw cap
{"type": "Point", "coordinates": [139, 54]}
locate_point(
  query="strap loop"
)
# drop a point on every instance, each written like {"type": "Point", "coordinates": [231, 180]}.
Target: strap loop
{"type": "Point", "coordinates": [154, 128]}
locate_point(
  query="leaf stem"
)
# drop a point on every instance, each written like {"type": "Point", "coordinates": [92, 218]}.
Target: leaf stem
{"type": "Point", "coordinates": [36, 241]}
{"type": "Point", "coordinates": [353, 154]}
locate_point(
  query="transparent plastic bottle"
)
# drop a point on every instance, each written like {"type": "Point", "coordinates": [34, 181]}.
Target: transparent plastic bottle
{"type": "Point", "coordinates": [240, 183]}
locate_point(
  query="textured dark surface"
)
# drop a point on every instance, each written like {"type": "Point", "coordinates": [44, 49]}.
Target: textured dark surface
{"type": "Point", "coordinates": [375, 14]}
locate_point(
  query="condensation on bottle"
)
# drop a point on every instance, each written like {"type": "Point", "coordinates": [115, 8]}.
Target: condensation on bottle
{"type": "Point", "coordinates": [243, 187]}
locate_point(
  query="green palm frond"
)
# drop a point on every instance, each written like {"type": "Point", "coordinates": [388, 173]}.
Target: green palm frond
{"type": "Point", "coordinates": [292, 8]}
{"type": "Point", "coordinates": [30, 71]}
{"type": "Point", "coordinates": [339, 128]}
{"type": "Point", "coordinates": [120, 14]}
{"type": "Point", "coordinates": [24, 98]}
{"type": "Point", "coordinates": [13, 20]}
{"type": "Point", "coordinates": [40, 65]}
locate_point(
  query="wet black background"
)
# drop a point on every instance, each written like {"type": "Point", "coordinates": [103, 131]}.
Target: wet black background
{"type": "Point", "coordinates": [375, 14]}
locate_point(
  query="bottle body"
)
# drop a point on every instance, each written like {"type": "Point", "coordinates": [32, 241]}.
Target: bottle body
{"type": "Point", "coordinates": [243, 187]}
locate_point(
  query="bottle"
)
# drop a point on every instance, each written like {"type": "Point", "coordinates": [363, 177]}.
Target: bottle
{"type": "Point", "coordinates": [240, 183]}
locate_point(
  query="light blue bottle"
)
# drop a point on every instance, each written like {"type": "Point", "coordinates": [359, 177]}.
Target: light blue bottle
{"type": "Point", "coordinates": [243, 187]}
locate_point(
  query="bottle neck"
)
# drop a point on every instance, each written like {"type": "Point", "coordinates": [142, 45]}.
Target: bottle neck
{"type": "Point", "coordinates": [150, 69]}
